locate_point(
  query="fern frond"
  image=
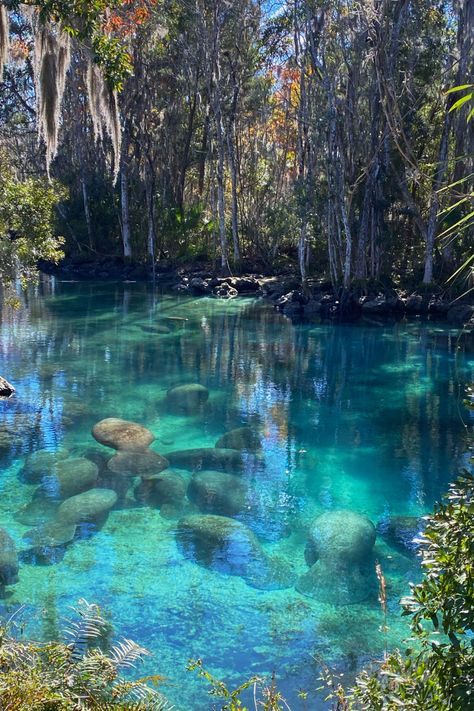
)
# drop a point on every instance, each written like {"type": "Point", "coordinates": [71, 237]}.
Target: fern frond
{"type": "Point", "coordinates": [126, 652]}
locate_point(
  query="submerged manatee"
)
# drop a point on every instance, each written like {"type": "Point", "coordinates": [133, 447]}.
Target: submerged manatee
{"type": "Point", "coordinates": [240, 438]}
{"type": "Point", "coordinates": [228, 460]}
{"type": "Point", "coordinates": [217, 492]}
{"type": "Point", "coordinates": [122, 434]}
{"type": "Point", "coordinates": [142, 463]}
{"type": "Point", "coordinates": [165, 490]}
{"type": "Point", "coordinates": [186, 399]}
{"type": "Point", "coordinates": [91, 506]}
{"type": "Point", "coordinates": [228, 546]}
{"type": "Point", "coordinates": [400, 531]}
{"type": "Point", "coordinates": [39, 511]}
{"type": "Point", "coordinates": [70, 477]}
{"type": "Point", "coordinates": [41, 463]}
{"type": "Point", "coordinates": [8, 560]}
{"type": "Point", "coordinates": [339, 551]}
{"type": "Point", "coordinates": [51, 535]}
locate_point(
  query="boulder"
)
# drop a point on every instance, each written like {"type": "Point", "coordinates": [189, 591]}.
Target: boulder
{"type": "Point", "coordinates": [460, 313]}
{"type": "Point", "coordinates": [37, 512]}
{"type": "Point", "coordinates": [41, 463]}
{"type": "Point", "coordinates": [228, 546]}
{"type": "Point", "coordinates": [166, 489]}
{"type": "Point", "coordinates": [341, 535]}
{"type": "Point", "coordinates": [90, 506]}
{"type": "Point", "coordinates": [225, 291]}
{"type": "Point", "coordinates": [217, 492]}
{"type": "Point", "coordinates": [186, 399]}
{"type": "Point", "coordinates": [69, 477]}
{"type": "Point", "coordinates": [240, 438]}
{"type": "Point", "coordinates": [227, 460]}
{"type": "Point", "coordinates": [6, 390]}
{"type": "Point", "coordinates": [121, 434]}
{"type": "Point", "coordinates": [8, 559]}
{"type": "Point", "coordinates": [144, 463]}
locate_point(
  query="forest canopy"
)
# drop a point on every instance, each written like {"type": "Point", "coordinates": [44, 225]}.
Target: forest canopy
{"type": "Point", "coordinates": [316, 132]}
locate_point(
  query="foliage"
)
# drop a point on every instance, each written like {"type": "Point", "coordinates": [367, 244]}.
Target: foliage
{"type": "Point", "coordinates": [27, 225]}
{"type": "Point", "coordinates": [74, 674]}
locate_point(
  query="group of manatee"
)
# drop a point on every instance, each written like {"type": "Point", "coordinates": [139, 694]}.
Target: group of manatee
{"type": "Point", "coordinates": [74, 493]}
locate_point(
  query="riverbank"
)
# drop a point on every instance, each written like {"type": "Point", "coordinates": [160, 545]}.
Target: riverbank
{"type": "Point", "coordinates": [317, 299]}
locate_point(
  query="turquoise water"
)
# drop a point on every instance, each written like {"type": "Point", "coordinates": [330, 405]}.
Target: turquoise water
{"type": "Point", "coordinates": [362, 417]}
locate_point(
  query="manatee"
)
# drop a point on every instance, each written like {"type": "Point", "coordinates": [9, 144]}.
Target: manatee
{"type": "Point", "coordinates": [40, 510]}
{"type": "Point", "coordinates": [40, 464]}
{"type": "Point", "coordinates": [340, 535]}
{"type": "Point", "coordinates": [122, 435]}
{"type": "Point", "coordinates": [240, 438]}
{"type": "Point", "coordinates": [50, 535]}
{"type": "Point", "coordinates": [89, 506]}
{"type": "Point", "coordinates": [217, 492]}
{"type": "Point", "coordinates": [70, 477]}
{"type": "Point", "coordinates": [143, 463]}
{"type": "Point", "coordinates": [229, 460]}
{"type": "Point", "coordinates": [228, 546]}
{"type": "Point", "coordinates": [164, 490]}
{"type": "Point", "coordinates": [156, 329]}
{"type": "Point", "coordinates": [186, 399]}
{"type": "Point", "coordinates": [8, 559]}
{"type": "Point", "coordinates": [339, 551]}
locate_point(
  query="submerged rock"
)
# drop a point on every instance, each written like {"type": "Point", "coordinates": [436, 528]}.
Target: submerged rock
{"type": "Point", "coordinates": [69, 477]}
{"type": "Point", "coordinates": [90, 506]}
{"type": "Point", "coordinates": [141, 463]}
{"type": "Point", "coordinates": [122, 434]}
{"type": "Point", "coordinates": [186, 399]}
{"type": "Point", "coordinates": [339, 551]}
{"type": "Point", "coordinates": [340, 535]}
{"type": "Point", "coordinates": [41, 463]}
{"type": "Point", "coordinates": [240, 438]}
{"type": "Point", "coordinates": [164, 490]}
{"type": "Point", "coordinates": [228, 546]}
{"type": "Point", "coordinates": [217, 492]}
{"type": "Point", "coordinates": [229, 460]}
{"type": "Point", "coordinates": [37, 512]}
{"type": "Point", "coordinates": [8, 560]}
{"type": "Point", "coordinates": [6, 389]}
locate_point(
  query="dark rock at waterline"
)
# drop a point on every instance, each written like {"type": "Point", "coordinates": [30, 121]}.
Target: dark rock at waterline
{"type": "Point", "coordinates": [69, 477]}
{"type": "Point", "coordinates": [6, 389]}
{"type": "Point", "coordinates": [240, 438]}
{"type": "Point", "coordinates": [228, 546]}
{"type": "Point", "coordinates": [228, 460]}
{"type": "Point", "coordinates": [382, 304]}
{"type": "Point", "coordinates": [166, 489]}
{"type": "Point", "coordinates": [399, 531]}
{"type": "Point", "coordinates": [88, 507]}
{"type": "Point", "coordinates": [144, 463]}
{"type": "Point", "coordinates": [225, 291]}
{"type": "Point", "coordinates": [8, 559]}
{"type": "Point", "coordinates": [217, 492]}
{"type": "Point", "coordinates": [460, 313]}
{"type": "Point", "coordinates": [40, 464]}
{"type": "Point", "coordinates": [186, 399]}
{"type": "Point", "coordinates": [37, 512]}
{"type": "Point", "coordinates": [122, 434]}
{"type": "Point", "coordinates": [341, 535]}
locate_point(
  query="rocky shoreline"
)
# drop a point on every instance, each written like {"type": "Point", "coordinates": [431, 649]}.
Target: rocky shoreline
{"type": "Point", "coordinates": [284, 291]}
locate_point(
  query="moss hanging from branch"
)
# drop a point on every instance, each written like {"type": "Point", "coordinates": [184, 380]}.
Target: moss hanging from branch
{"type": "Point", "coordinates": [103, 106]}
{"type": "Point", "coordinates": [52, 56]}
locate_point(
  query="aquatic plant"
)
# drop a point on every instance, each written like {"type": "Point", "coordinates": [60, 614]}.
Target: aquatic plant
{"type": "Point", "coordinates": [76, 673]}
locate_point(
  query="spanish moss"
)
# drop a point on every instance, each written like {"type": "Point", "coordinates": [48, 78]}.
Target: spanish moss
{"type": "Point", "coordinates": [103, 107]}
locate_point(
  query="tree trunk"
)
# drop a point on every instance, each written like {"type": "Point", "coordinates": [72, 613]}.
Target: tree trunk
{"type": "Point", "coordinates": [87, 212]}
{"type": "Point", "coordinates": [125, 207]}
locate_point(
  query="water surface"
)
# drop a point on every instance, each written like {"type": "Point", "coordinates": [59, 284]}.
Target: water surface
{"type": "Point", "coordinates": [363, 417]}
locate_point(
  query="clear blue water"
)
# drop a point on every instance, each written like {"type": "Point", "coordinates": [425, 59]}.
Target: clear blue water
{"type": "Point", "coordinates": [362, 417]}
